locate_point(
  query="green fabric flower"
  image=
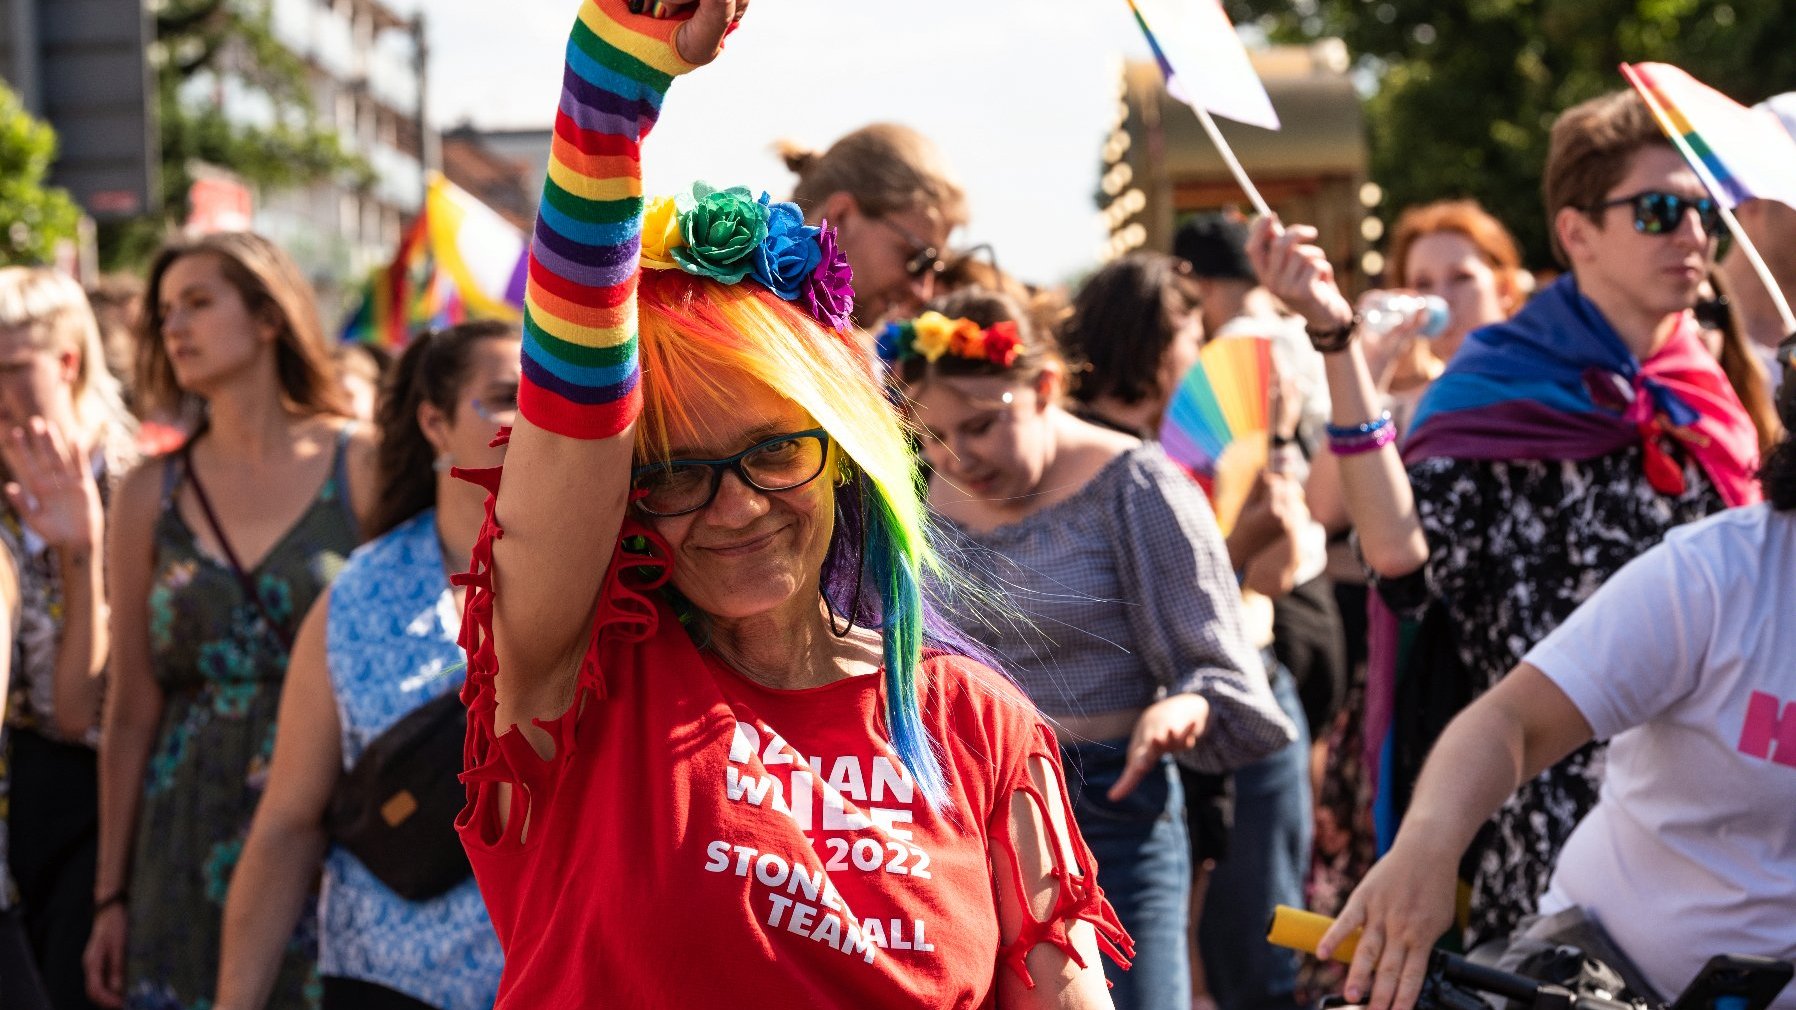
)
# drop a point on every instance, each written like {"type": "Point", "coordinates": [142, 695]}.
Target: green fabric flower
{"type": "Point", "coordinates": [723, 229]}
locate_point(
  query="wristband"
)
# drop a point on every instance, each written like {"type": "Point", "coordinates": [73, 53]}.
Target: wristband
{"type": "Point", "coordinates": [1333, 341]}
{"type": "Point", "coordinates": [115, 898]}
{"type": "Point", "coordinates": [1360, 439]}
{"type": "Point", "coordinates": [1384, 437]}
{"type": "Point", "coordinates": [1369, 436]}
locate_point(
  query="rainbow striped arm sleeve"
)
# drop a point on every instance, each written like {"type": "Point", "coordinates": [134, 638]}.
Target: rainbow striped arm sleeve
{"type": "Point", "coordinates": [580, 374]}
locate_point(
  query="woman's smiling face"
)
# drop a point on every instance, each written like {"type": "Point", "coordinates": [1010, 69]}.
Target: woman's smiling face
{"type": "Point", "coordinates": [747, 552]}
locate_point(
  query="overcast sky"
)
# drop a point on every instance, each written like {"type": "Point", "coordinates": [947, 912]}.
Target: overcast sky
{"type": "Point", "coordinates": [1018, 93]}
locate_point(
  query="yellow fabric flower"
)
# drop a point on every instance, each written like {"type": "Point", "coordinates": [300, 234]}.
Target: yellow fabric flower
{"type": "Point", "coordinates": [661, 234]}
{"type": "Point", "coordinates": [967, 341]}
{"type": "Point", "coordinates": [934, 331]}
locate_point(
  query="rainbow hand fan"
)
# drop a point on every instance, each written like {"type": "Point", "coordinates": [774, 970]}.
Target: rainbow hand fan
{"type": "Point", "coordinates": [1216, 421]}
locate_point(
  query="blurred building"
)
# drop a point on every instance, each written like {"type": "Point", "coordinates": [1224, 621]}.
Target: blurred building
{"type": "Point", "coordinates": [504, 169]}
{"type": "Point", "coordinates": [81, 65]}
{"type": "Point", "coordinates": [366, 70]}
{"type": "Point", "coordinates": [1159, 166]}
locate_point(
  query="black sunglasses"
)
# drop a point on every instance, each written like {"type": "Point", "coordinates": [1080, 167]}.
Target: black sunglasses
{"type": "Point", "coordinates": [1661, 213]}
{"type": "Point", "coordinates": [923, 257]}
{"type": "Point", "coordinates": [780, 463]}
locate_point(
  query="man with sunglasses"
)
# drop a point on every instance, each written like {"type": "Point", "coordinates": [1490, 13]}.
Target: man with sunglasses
{"type": "Point", "coordinates": [1557, 446]}
{"type": "Point", "coordinates": [893, 202]}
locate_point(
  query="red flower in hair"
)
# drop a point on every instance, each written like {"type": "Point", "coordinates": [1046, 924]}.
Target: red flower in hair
{"type": "Point", "coordinates": [1002, 344]}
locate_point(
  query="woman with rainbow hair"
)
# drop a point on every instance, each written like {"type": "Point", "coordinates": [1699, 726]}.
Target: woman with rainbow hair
{"type": "Point", "coordinates": [713, 709]}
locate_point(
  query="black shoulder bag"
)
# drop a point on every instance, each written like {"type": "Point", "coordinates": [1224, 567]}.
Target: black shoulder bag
{"type": "Point", "coordinates": [395, 810]}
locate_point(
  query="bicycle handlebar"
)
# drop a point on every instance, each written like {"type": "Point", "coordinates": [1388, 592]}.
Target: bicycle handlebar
{"type": "Point", "coordinates": [1300, 930]}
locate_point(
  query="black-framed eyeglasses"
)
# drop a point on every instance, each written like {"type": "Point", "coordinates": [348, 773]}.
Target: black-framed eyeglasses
{"type": "Point", "coordinates": [1660, 213]}
{"type": "Point", "coordinates": [780, 463]}
{"type": "Point", "coordinates": [1712, 313]}
{"type": "Point", "coordinates": [923, 258]}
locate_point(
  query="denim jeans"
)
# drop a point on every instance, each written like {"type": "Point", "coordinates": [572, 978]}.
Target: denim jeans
{"type": "Point", "coordinates": [1269, 853]}
{"type": "Point", "coordinates": [1144, 867]}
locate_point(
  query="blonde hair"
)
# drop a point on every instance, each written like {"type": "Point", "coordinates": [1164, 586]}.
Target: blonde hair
{"type": "Point", "coordinates": [50, 306]}
{"type": "Point", "coordinates": [887, 168]}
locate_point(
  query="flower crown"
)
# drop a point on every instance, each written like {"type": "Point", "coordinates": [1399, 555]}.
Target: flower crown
{"type": "Point", "coordinates": [931, 335]}
{"type": "Point", "coordinates": [730, 236]}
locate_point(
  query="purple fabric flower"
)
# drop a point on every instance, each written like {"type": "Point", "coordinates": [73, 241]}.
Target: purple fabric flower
{"type": "Point", "coordinates": [789, 254]}
{"type": "Point", "coordinates": [829, 293]}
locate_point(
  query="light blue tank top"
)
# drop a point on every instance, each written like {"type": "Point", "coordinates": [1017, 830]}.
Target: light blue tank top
{"type": "Point", "coordinates": [390, 644]}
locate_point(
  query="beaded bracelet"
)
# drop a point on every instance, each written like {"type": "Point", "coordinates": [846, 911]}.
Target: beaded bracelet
{"type": "Point", "coordinates": [1369, 436]}
{"type": "Point", "coordinates": [1364, 428]}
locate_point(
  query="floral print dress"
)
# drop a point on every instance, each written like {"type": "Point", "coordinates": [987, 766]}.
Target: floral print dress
{"type": "Point", "coordinates": [220, 667]}
{"type": "Point", "coordinates": [1514, 548]}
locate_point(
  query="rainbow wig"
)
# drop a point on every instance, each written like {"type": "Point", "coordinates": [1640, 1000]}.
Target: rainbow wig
{"type": "Point", "coordinates": [700, 338]}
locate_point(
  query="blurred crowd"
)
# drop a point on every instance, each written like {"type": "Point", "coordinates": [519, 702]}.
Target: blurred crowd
{"type": "Point", "coordinates": [229, 547]}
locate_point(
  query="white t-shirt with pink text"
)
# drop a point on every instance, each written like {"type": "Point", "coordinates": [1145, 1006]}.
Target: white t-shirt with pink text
{"type": "Point", "coordinates": [1686, 661]}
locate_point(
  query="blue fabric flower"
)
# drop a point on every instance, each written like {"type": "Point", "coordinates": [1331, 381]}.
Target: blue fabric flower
{"type": "Point", "coordinates": [790, 253]}
{"type": "Point", "coordinates": [891, 343]}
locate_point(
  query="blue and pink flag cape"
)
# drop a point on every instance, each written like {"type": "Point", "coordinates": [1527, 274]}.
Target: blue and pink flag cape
{"type": "Point", "coordinates": [1557, 383]}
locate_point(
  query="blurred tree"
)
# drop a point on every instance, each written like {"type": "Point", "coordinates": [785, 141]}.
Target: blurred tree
{"type": "Point", "coordinates": [204, 49]}
{"type": "Point", "coordinates": [32, 216]}
{"type": "Point", "coordinates": [1465, 92]}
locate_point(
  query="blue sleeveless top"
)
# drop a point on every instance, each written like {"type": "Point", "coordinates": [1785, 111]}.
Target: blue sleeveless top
{"type": "Point", "coordinates": [390, 643]}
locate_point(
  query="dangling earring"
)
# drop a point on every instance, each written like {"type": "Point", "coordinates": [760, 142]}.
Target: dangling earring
{"type": "Point", "coordinates": [443, 463]}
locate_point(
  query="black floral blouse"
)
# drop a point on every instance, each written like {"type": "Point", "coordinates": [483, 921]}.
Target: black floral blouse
{"type": "Point", "coordinates": [1514, 547]}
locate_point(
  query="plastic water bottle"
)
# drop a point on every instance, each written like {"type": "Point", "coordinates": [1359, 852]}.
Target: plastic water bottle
{"type": "Point", "coordinates": [1384, 311]}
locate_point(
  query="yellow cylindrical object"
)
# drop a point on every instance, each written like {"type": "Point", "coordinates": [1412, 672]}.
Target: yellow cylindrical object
{"type": "Point", "coordinates": [1301, 930]}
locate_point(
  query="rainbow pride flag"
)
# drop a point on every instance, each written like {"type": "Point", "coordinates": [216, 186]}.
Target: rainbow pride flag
{"type": "Point", "coordinates": [459, 260]}
{"type": "Point", "coordinates": [1741, 153]}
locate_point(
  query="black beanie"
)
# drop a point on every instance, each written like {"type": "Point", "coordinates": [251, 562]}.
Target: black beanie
{"type": "Point", "coordinates": [1215, 246]}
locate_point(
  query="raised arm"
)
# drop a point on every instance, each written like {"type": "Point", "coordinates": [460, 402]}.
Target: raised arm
{"type": "Point", "coordinates": [1374, 486]}
{"type": "Point", "coordinates": [566, 479]}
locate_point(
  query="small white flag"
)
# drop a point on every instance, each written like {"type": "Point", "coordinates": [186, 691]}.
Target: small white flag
{"type": "Point", "coordinates": [1196, 45]}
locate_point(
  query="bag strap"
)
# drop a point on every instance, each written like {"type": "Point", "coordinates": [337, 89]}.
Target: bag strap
{"type": "Point", "coordinates": [224, 543]}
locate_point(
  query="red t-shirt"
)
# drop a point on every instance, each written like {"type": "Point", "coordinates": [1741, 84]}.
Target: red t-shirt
{"type": "Point", "coordinates": [700, 840]}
